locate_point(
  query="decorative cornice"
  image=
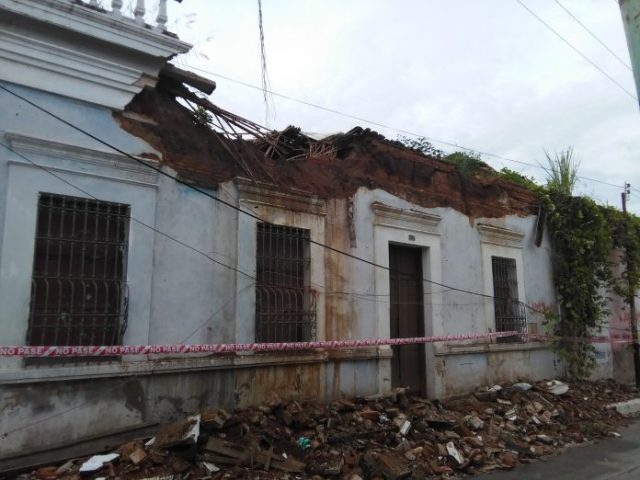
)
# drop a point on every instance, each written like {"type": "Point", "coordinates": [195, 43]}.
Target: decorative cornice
{"type": "Point", "coordinates": [30, 62]}
{"type": "Point", "coordinates": [394, 217]}
{"type": "Point", "coordinates": [89, 156]}
{"type": "Point", "coordinates": [268, 195]}
{"type": "Point", "coordinates": [68, 49]}
{"type": "Point", "coordinates": [122, 31]}
{"type": "Point", "coordinates": [499, 235]}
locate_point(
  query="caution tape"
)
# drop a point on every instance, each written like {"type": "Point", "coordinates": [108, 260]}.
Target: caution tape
{"type": "Point", "coordinates": [592, 339]}
{"type": "Point", "coordinates": [116, 350]}
{"type": "Point", "coordinates": [219, 348]}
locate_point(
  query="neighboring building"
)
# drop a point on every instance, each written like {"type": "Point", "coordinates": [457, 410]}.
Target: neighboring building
{"type": "Point", "coordinates": [96, 248]}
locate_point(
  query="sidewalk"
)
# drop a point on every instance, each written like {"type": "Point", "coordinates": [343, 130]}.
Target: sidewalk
{"type": "Point", "coordinates": [617, 458]}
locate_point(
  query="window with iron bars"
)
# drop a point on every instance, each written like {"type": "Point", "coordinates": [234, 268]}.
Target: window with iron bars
{"type": "Point", "coordinates": [510, 313]}
{"type": "Point", "coordinates": [285, 310]}
{"type": "Point", "coordinates": [78, 286]}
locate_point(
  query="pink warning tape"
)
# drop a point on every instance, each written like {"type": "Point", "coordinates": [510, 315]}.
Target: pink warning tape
{"type": "Point", "coordinates": [98, 351]}
{"type": "Point", "coordinates": [592, 339]}
{"type": "Point", "coordinates": [115, 350]}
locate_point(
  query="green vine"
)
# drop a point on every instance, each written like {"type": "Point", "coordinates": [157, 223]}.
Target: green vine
{"type": "Point", "coordinates": [584, 237]}
{"type": "Point", "coordinates": [516, 177]}
{"type": "Point", "coordinates": [467, 163]}
{"type": "Point", "coordinates": [588, 241]}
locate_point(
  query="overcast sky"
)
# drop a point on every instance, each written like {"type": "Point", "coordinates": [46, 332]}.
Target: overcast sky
{"type": "Point", "coordinates": [483, 74]}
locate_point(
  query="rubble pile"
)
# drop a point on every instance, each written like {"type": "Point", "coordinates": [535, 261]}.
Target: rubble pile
{"type": "Point", "coordinates": [384, 436]}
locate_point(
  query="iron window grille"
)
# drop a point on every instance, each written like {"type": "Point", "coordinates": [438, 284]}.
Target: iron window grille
{"type": "Point", "coordinates": [285, 309]}
{"type": "Point", "coordinates": [78, 286]}
{"type": "Point", "coordinates": [510, 313]}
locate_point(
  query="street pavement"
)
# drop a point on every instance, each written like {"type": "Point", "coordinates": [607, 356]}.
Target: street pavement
{"type": "Point", "coordinates": [615, 458]}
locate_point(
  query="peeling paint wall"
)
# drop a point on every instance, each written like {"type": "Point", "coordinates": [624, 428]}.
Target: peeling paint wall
{"type": "Point", "coordinates": [195, 300]}
{"type": "Point", "coordinates": [460, 368]}
{"type": "Point", "coordinates": [181, 291]}
{"type": "Point", "coordinates": [179, 295]}
{"type": "Point", "coordinates": [72, 164]}
{"type": "Point", "coordinates": [614, 359]}
{"type": "Point", "coordinates": [102, 406]}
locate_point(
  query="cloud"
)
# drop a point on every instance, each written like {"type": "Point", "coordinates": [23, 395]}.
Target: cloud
{"type": "Point", "coordinates": [485, 74]}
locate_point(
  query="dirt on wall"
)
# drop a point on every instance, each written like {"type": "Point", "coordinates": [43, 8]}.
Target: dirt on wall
{"type": "Point", "coordinates": [346, 162]}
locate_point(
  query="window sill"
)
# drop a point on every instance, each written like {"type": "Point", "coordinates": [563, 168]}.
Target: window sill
{"type": "Point", "coordinates": [489, 348]}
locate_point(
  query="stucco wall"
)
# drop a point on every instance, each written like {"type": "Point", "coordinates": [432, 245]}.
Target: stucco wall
{"type": "Point", "coordinates": [177, 294]}
{"type": "Point", "coordinates": [456, 260]}
{"type": "Point", "coordinates": [192, 295]}
{"type": "Point", "coordinates": [73, 164]}
{"type": "Point", "coordinates": [46, 414]}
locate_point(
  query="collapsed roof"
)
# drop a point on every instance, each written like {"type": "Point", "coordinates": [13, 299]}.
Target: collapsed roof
{"type": "Point", "coordinates": [333, 167]}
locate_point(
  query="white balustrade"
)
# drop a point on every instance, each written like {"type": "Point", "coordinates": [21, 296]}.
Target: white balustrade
{"type": "Point", "coordinates": [139, 11]}
{"type": "Point", "coordinates": [161, 19]}
{"type": "Point", "coordinates": [116, 8]}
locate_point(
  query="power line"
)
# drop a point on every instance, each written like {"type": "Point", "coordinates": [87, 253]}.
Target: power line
{"type": "Point", "coordinates": [186, 338]}
{"type": "Point", "coordinates": [152, 371]}
{"type": "Point", "coordinates": [321, 288]}
{"type": "Point", "coordinates": [575, 49]}
{"type": "Point", "coordinates": [263, 65]}
{"type": "Point", "coordinates": [625, 64]}
{"type": "Point", "coordinates": [228, 204]}
{"type": "Point", "coordinates": [388, 127]}
{"type": "Point", "coordinates": [355, 117]}
{"type": "Point", "coordinates": [159, 232]}
{"type": "Point", "coordinates": [362, 295]}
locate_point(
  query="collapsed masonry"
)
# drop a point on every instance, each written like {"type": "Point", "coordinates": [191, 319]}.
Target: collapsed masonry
{"type": "Point", "coordinates": [356, 192]}
{"type": "Point", "coordinates": [332, 167]}
{"type": "Point", "coordinates": [382, 436]}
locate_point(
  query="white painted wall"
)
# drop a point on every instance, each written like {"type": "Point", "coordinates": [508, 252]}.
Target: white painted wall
{"type": "Point", "coordinates": [177, 294]}
{"type": "Point", "coordinates": [457, 257]}
{"type": "Point", "coordinates": [49, 157]}
{"type": "Point", "coordinates": [98, 58]}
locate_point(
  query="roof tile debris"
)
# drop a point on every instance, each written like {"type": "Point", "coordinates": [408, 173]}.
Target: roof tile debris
{"type": "Point", "coordinates": [333, 167]}
{"type": "Point", "coordinates": [382, 436]}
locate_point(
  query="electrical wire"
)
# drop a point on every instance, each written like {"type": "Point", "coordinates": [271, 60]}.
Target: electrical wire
{"type": "Point", "coordinates": [118, 385]}
{"type": "Point", "coordinates": [263, 66]}
{"type": "Point", "coordinates": [389, 127]}
{"type": "Point", "coordinates": [192, 248]}
{"type": "Point", "coordinates": [140, 222]}
{"type": "Point", "coordinates": [234, 297]}
{"type": "Point", "coordinates": [575, 49]}
{"type": "Point", "coordinates": [373, 297]}
{"type": "Point", "coordinates": [362, 295]}
{"type": "Point", "coordinates": [625, 64]}
{"type": "Point", "coordinates": [229, 204]}
{"type": "Point", "coordinates": [455, 145]}
{"type": "Point", "coordinates": [321, 288]}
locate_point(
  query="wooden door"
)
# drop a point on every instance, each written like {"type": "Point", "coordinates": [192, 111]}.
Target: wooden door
{"type": "Point", "coordinates": [407, 317]}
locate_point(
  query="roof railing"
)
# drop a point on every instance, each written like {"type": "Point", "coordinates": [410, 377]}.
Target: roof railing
{"type": "Point", "coordinates": [115, 8]}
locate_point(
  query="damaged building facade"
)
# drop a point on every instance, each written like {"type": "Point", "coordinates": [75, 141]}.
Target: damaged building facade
{"type": "Point", "coordinates": [279, 239]}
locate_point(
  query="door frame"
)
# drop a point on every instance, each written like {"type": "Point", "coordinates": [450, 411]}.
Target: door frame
{"type": "Point", "coordinates": [411, 229]}
{"type": "Point", "coordinates": [416, 253]}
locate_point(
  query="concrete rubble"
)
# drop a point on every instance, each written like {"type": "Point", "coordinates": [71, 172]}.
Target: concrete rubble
{"type": "Point", "coordinates": [379, 437]}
